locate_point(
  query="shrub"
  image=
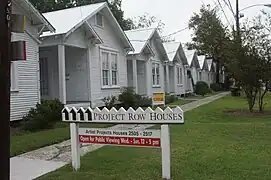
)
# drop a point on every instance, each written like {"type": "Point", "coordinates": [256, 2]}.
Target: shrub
{"type": "Point", "coordinates": [43, 116]}
{"type": "Point", "coordinates": [216, 87]}
{"type": "Point", "coordinates": [202, 88]}
{"type": "Point", "coordinates": [128, 97]}
{"type": "Point", "coordinates": [142, 101]}
{"type": "Point", "coordinates": [235, 91]}
{"type": "Point", "coordinates": [109, 101]}
{"type": "Point", "coordinates": [170, 99]}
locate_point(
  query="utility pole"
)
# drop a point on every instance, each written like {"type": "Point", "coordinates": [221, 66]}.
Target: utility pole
{"type": "Point", "coordinates": [237, 18]}
{"type": "Point", "coordinates": [5, 60]}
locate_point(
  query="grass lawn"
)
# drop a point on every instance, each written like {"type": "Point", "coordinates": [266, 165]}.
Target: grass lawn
{"type": "Point", "coordinates": [180, 102]}
{"type": "Point", "coordinates": [211, 145]}
{"type": "Point", "coordinates": [30, 141]}
{"type": "Point", "coordinates": [201, 97]}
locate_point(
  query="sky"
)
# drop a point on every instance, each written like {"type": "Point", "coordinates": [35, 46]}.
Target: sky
{"type": "Point", "coordinates": [176, 13]}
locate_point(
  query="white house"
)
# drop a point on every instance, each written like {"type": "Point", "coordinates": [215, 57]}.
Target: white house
{"type": "Point", "coordinates": [211, 71]}
{"type": "Point", "coordinates": [203, 72]}
{"type": "Point", "coordinates": [146, 63]}
{"type": "Point", "coordinates": [85, 59]}
{"type": "Point", "coordinates": [193, 67]}
{"type": "Point", "coordinates": [25, 80]}
{"type": "Point", "coordinates": [177, 69]}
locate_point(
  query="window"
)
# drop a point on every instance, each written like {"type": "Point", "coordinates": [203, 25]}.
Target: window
{"type": "Point", "coordinates": [44, 77]}
{"type": "Point", "coordinates": [208, 76]}
{"type": "Point", "coordinates": [109, 68]}
{"type": "Point", "coordinates": [99, 19]}
{"type": "Point", "coordinates": [179, 75]}
{"type": "Point", "coordinates": [114, 69]}
{"type": "Point", "coordinates": [105, 68]}
{"type": "Point", "coordinates": [155, 74]}
{"type": "Point", "coordinates": [14, 76]}
{"type": "Point", "coordinates": [200, 75]}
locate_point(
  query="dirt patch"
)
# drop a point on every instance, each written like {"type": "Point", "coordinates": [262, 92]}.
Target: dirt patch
{"type": "Point", "coordinates": [247, 113]}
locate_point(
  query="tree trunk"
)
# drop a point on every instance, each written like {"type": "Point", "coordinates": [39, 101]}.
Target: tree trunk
{"type": "Point", "coordinates": [261, 97]}
{"type": "Point", "coordinates": [251, 98]}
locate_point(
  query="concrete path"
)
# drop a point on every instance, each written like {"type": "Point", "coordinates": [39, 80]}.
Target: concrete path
{"type": "Point", "coordinates": [36, 163]}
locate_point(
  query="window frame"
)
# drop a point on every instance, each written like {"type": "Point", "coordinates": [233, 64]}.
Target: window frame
{"type": "Point", "coordinates": [102, 19]}
{"type": "Point", "coordinates": [110, 76]}
{"type": "Point", "coordinates": [14, 78]}
{"type": "Point", "coordinates": [179, 76]}
{"type": "Point", "coordinates": [157, 80]}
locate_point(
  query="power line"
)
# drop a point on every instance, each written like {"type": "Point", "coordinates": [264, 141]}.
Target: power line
{"type": "Point", "coordinates": [224, 12]}
{"type": "Point", "coordinates": [231, 8]}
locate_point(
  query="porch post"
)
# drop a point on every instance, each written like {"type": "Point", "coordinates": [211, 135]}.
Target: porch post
{"type": "Point", "coordinates": [89, 72]}
{"type": "Point", "coordinates": [167, 78]}
{"type": "Point", "coordinates": [62, 73]}
{"type": "Point", "coordinates": [175, 79]}
{"type": "Point", "coordinates": [135, 75]}
{"type": "Point", "coordinates": [148, 72]}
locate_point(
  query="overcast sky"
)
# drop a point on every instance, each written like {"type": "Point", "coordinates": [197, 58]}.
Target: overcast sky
{"type": "Point", "coordinates": [176, 13]}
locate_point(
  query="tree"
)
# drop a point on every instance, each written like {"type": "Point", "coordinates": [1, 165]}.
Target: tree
{"type": "Point", "coordinates": [250, 62]}
{"type": "Point", "coordinates": [146, 21]}
{"type": "Point", "coordinates": [115, 6]}
{"type": "Point", "coordinates": [210, 35]}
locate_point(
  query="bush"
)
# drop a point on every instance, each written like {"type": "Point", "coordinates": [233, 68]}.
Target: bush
{"type": "Point", "coordinates": [235, 91]}
{"type": "Point", "coordinates": [202, 88]}
{"type": "Point", "coordinates": [216, 87]}
{"type": "Point", "coordinates": [128, 97]}
{"type": "Point", "coordinates": [170, 99]}
{"type": "Point", "coordinates": [43, 116]}
{"type": "Point", "coordinates": [142, 101]}
{"type": "Point", "coordinates": [109, 101]}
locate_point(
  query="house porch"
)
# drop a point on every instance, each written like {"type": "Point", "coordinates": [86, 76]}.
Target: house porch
{"type": "Point", "coordinates": [64, 74]}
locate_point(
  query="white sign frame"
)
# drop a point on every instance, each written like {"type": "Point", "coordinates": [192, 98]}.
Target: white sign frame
{"type": "Point", "coordinates": [77, 116]}
{"type": "Point", "coordinates": [121, 116]}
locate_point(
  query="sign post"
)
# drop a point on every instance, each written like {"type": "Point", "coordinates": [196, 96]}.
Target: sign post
{"type": "Point", "coordinates": [154, 138]}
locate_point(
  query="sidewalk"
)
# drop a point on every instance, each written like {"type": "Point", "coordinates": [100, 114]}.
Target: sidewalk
{"type": "Point", "coordinates": [36, 163]}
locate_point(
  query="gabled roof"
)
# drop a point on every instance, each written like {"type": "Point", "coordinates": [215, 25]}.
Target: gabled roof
{"type": "Point", "coordinates": [37, 17]}
{"type": "Point", "coordinates": [68, 20]}
{"type": "Point", "coordinates": [139, 39]}
{"type": "Point", "coordinates": [201, 60]}
{"type": "Point", "coordinates": [209, 63]}
{"type": "Point", "coordinates": [172, 49]}
{"type": "Point", "coordinates": [190, 56]}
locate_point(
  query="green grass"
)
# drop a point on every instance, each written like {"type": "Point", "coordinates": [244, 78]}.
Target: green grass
{"type": "Point", "coordinates": [211, 145]}
{"type": "Point", "coordinates": [180, 102]}
{"type": "Point", "coordinates": [30, 141]}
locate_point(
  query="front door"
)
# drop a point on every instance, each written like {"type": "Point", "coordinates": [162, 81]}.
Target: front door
{"type": "Point", "coordinates": [44, 78]}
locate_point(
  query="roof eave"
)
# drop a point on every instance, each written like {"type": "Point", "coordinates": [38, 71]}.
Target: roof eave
{"type": "Point", "coordinates": [41, 17]}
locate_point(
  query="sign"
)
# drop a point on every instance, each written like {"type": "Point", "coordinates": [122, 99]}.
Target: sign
{"type": "Point", "coordinates": [124, 137]}
{"type": "Point", "coordinates": [158, 98]}
{"type": "Point", "coordinates": [141, 138]}
{"type": "Point", "coordinates": [18, 49]}
{"type": "Point", "coordinates": [121, 116]}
